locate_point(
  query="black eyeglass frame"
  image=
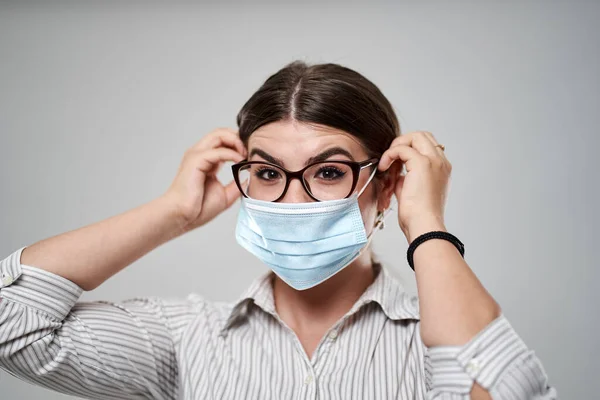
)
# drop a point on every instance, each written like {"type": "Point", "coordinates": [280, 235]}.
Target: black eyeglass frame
{"type": "Point", "coordinates": [356, 167]}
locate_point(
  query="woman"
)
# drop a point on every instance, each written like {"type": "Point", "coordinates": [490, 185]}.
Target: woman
{"type": "Point", "coordinates": [318, 158]}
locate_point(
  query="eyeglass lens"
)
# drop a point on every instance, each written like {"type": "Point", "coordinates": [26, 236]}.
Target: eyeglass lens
{"type": "Point", "coordinates": [324, 181]}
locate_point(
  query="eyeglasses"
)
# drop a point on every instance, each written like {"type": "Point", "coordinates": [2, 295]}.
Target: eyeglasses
{"type": "Point", "coordinates": [323, 180]}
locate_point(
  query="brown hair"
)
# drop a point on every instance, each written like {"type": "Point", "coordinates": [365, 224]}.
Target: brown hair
{"type": "Point", "coordinates": [324, 94]}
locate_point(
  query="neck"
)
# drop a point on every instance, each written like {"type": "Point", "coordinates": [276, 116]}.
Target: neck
{"type": "Point", "coordinates": [323, 305]}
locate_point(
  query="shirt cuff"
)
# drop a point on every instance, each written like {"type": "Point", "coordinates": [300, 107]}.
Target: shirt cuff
{"type": "Point", "coordinates": [36, 288]}
{"type": "Point", "coordinates": [483, 359]}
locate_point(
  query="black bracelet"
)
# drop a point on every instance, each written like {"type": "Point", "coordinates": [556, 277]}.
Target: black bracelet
{"type": "Point", "coordinates": [433, 235]}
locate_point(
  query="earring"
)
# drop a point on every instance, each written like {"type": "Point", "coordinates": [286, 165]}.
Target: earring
{"type": "Point", "coordinates": [379, 220]}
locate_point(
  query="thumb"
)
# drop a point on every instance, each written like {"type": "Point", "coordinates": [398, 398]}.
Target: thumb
{"type": "Point", "coordinates": [232, 193]}
{"type": "Point", "coordinates": [399, 185]}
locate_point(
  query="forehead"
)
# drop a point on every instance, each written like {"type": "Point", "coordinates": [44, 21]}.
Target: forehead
{"type": "Point", "coordinates": [294, 141]}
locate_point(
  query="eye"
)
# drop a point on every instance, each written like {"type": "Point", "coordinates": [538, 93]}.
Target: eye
{"type": "Point", "coordinates": [267, 174]}
{"type": "Point", "coordinates": [329, 173]}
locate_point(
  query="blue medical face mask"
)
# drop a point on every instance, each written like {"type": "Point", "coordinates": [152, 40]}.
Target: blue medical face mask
{"type": "Point", "coordinates": [304, 243]}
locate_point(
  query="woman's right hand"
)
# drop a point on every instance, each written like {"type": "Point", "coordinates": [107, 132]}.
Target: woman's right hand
{"type": "Point", "coordinates": [196, 194]}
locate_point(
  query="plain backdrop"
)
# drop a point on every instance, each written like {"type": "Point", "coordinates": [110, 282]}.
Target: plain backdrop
{"type": "Point", "coordinates": [99, 101]}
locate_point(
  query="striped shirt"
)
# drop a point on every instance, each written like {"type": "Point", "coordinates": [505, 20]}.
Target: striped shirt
{"type": "Point", "coordinates": [191, 348]}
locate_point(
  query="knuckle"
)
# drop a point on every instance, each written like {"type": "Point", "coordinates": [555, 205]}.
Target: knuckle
{"type": "Point", "coordinates": [228, 132]}
{"type": "Point", "coordinates": [426, 161]}
{"type": "Point", "coordinates": [193, 151]}
{"type": "Point", "coordinates": [215, 133]}
{"type": "Point", "coordinates": [398, 140]}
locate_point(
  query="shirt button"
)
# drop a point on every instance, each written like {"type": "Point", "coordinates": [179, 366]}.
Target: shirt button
{"type": "Point", "coordinates": [473, 366]}
{"type": "Point", "coordinates": [308, 380]}
{"type": "Point", "coordinates": [7, 280]}
{"type": "Point", "coordinates": [333, 335]}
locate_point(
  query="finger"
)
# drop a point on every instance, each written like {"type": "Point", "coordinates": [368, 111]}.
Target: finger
{"type": "Point", "coordinates": [434, 159]}
{"type": "Point", "coordinates": [209, 136]}
{"type": "Point", "coordinates": [429, 136]}
{"type": "Point", "coordinates": [205, 161]}
{"type": "Point", "coordinates": [232, 141]}
{"type": "Point", "coordinates": [435, 143]}
{"type": "Point", "coordinates": [406, 154]}
{"type": "Point", "coordinates": [441, 152]}
{"type": "Point", "coordinates": [215, 168]}
{"type": "Point", "coordinates": [221, 137]}
{"type": "Point", "coordinates": [227, 138]}
{"type": "Point", "coordinates": [417, 140]}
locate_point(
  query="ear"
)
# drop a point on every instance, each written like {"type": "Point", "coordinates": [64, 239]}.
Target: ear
{"type": "Point", "coordinates": [388, 185]}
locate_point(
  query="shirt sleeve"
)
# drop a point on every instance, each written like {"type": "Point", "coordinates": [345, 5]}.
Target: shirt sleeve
{"type": "Point", "coordinates": [496, 358]}
{"type": "Point", "coordinates": [96, 350]}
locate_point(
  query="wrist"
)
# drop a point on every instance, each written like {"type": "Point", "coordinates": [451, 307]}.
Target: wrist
{"type": "Point", "coordinates": [175, 222]}
{"type": "Point", "coordinates": [423, 225]}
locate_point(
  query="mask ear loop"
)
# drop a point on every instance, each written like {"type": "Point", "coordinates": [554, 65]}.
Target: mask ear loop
{"type": "Point", "coordinates": [378, 226]}
{"type": "Point", "coordinates": [382, 215]}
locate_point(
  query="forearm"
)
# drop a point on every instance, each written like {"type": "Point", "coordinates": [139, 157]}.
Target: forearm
{"type": "Point", "coordinates": [99, 350]}
{"type": "Point", "coordinates": [90, 255]}
{"type": "Point", "coordinates": [471, 350]}
{"type": "Point", "coordinates": [454, 305]}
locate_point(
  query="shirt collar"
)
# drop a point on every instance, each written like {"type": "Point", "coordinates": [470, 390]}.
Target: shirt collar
{"type": "Point", "coordinates": [385, 290]}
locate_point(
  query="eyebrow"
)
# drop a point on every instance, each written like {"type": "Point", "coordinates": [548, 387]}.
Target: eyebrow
{"type": "Point", "coordinates": [334, 151]}
{"type": "Point", "coordinates": [266, 156]}
{"type": "Point", "coordinates": [323, 156]}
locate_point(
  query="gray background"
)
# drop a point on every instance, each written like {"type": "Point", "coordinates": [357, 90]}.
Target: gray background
{"type": "Point", "coordinates": [99, 102]}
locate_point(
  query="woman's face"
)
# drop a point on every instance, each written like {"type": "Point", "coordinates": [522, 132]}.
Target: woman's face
{"type": "Point", "coordinates": [291, 145]}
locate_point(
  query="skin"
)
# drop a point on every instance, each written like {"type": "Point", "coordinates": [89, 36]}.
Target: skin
{"type": "Point", "coordinates": [454, 306]}
{"type": "Point", "coordinates": [310, 313]}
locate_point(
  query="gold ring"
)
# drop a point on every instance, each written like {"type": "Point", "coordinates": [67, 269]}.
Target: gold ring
{"type": "Point", "coordinates": [441, 146]}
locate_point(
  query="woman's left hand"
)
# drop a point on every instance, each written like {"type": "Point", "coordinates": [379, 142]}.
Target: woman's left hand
{"type": "Point", "coordinates": [421, 192]}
